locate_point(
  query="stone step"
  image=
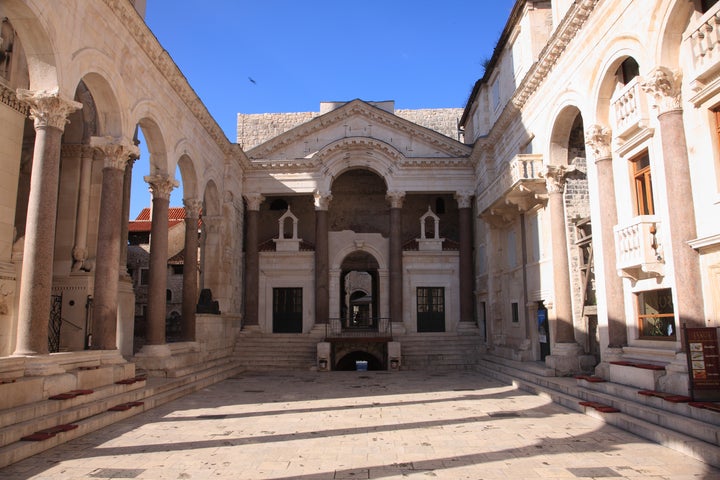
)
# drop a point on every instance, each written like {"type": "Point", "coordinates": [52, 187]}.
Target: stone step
{"type": "Point", "coordinates": [92, 412]}
{"type": "Point", "coordinates": [675, 426]}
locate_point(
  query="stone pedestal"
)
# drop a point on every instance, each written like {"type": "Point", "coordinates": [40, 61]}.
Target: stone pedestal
{"type": "Point", "coordinates": [394, 356]}
{"type": "Point", "coordinates": [569, 359]}
{"type": "Point", "coordinates": [323, 357]}
{"type": "Point", "coordinates": [125, 317]}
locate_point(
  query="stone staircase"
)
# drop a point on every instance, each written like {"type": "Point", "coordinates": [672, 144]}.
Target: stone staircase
{"type": "Point", "coordinates": [267, 352]}
{"type": "Point", "coordinates": [438, 351]}
{"type": "Point", "coordinates": [688, 427]}
{"type": "Point", "coordinates": [30, 428]}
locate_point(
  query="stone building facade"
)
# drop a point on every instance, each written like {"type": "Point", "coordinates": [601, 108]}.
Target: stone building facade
{"type": "Point", "coordinates": [566, 215]}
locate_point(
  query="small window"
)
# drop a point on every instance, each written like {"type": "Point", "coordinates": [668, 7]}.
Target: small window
{"type": "Point", "coordinates": [515, 312]}
{"type": "Point", "coordinates": [177, 269]}
{"type": "Point", "coordinates": [168, 295]}
{"type": "Point", "coordinates": [642, 185]}
{"type": "Point", "coordinates": [656, 315]}
{"type": "Point", "coordinates": [144, 276]}
{"type": "Point", "coordinates": [495, 93]}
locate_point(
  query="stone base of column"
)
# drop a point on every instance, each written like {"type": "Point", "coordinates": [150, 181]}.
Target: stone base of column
{"type": "Point", "coordinates": [677, 378]}
{"type": "Point", "coordinates": [609, 354]}
{"type": "Point", "coordinates": [125, 317]}
{"type": "Point", "coordinates": [569, 359]}
{"type": "Point", "coordinates": [156, 360]}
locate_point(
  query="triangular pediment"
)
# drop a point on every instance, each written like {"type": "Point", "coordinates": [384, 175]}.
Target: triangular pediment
{"type": "Point", "coordinates": [358, 123]}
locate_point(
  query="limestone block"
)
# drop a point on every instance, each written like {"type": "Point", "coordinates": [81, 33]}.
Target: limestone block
{"type": "Point", "coordinates": [635, 377]}
{"type": "Point", "coordinates": [60, 383]}
{"type": "Point", "coordinates": [22, 391]}
{"type": "Point", "coordinates": [323, 356]}
{"type": "Point", "coordinates": [394, 356]}
{"type": "Point", "coordinates": [95, 378]}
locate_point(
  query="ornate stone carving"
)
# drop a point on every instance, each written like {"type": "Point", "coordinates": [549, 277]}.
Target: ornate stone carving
{"type": "Point", "coordinates": [396, 198]}
{"type": "Point", "coordinates": [464, 199]}
{"type": "Point", "coordinates": [598, 138]}
{"type": "Point", "coordinates": [322, 200]}
{"type": "Point", "coordinates": [193, 207]}
{"type": "Point", "coordinates": [161, 185]}
{"type": "Point", "coordinates": [664, 86]}
{"type": "Point", "coordinates": [555, 177]}
{"type": "Point", "coordinates": [47, 108]}
{"type": "Point", "coordinates": [117, 151]}
{"type": "Point", "coordinates": [254, 200]}
{"type": "Point", "coordinates": [8, 97]}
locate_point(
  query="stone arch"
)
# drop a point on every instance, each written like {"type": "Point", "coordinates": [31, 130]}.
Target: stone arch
{"type": "Point", "coordinates": [211, 199]}
{"type": "Point", "coordinates": [41, 62]}
{"type": "Point", "coordinates": [623, 49]}
{"type": "Point", "coordinates": [674, 22]}
{"type": "Point", "coordinates": [106, 107]}
{"type": "Point", "coordinates": [562, 137]}
{"type": "Point", "coordinates": [155, 145]}
{"type": "Point", "coordinates": [189, 177]}
{"type": "Point", "coordinates": [357, 152]}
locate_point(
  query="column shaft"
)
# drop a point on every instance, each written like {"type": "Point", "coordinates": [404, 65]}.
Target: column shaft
{"type": "Point", "coordinates": [252, 269]}
{"type": "Point", "coordinates": [190, 271]}
{"type": "Point", "coordinates": [396, 273]}
{"type": "Point", "coordinates": [81, 228]}
{"type": "Point", "coordinates": [36, 280]}
{"type": "Point", "coordinates": [157, 276]}
{"type": "Point", "coordinates": [322, 272]}
{"type": "Point", "coordinates": [466, 265]}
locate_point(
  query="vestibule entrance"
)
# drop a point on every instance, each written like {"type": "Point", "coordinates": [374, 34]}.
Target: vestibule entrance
{"type": "Point", "coordinates": [359, 292]}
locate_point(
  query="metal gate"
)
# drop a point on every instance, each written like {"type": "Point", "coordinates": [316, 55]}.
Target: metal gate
{"type": "Point", "coordinates": [55, 323]}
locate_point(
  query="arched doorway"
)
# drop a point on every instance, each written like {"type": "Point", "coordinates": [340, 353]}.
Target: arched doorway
{"type": "Point", "coordinates": [359, 292]}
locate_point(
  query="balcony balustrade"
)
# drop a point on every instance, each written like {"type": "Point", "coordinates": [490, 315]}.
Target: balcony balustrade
{"type": "Point", "coordinates": [704, 47]}
{"type": "Point", "coordinates": [520, 178]}
{"type": "Point", "coordinates": [630, 109]}
{"type": "Point", "coordinates": [638, 248]}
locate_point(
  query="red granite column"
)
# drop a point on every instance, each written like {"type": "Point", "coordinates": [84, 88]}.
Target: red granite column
{"type": "Point", "coordinates": [396, 273]}
{"type": "Point", "coordinates": [105, 292]}
{"type": "Point", "coordinates": [322, 268]}
{"type": "Point", "coordinates": [160, 187]}
{"type": "Point", "coordinates": [125, 216]}
{"type": "Point", "coordinates": [190, 271]}
{"type": "Point", "coordinates": [665, 86]}
{"type": "Point", "coordinates": [598, 139]}
{"type": "Point", "coordinates": [252, 261]}
{"type": "Point", "coordinates": [564, 331]}
{"type": "Point", "coordinates": [49, 112]}
{"type": "Point", "coordinates": [464, 200]}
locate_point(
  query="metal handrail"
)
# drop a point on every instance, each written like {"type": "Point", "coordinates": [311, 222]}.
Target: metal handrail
{"type": "Point", "coordinates": [371, 327]}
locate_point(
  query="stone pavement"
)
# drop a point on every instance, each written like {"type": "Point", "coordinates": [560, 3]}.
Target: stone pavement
{"type": "Point", "coordinates": [351, 425]}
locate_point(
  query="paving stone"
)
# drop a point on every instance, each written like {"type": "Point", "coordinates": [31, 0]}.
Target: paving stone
{"type": "Point", "coordinates": [342, 425]}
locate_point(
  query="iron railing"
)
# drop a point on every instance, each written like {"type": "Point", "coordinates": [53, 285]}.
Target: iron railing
{"type": "Point", "coordinates": [54, 324]}
{"type": "Point", "coordinates": [372, 327]}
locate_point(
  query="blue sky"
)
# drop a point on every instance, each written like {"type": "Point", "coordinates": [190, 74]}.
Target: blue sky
{"type": "Point", "coordinates": [275, 56]}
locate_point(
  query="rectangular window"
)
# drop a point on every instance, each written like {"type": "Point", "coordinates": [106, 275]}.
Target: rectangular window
{"type": "Point", "coordinates": [144, 276]}
{"type": "Point", "coordinates": [642, 184]}
{"type": "Point", "coordinates": [656, 316]}
{"type": "Point", "coordinates": [515, 312]}
{"type": "Point", "coordinates": [495, 92]}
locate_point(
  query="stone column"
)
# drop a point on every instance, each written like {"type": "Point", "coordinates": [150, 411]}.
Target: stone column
{"type": "Point", "coordinates": [116, 152]}
{"type": "Point", "coordinates": [252, 263]}
{"type": "Point", "coordinates": [190, 271]}
{"type": "Point", "coordinates": [80, 252]}
{"type": "Point", "coordinates": [555, 177]}
{"type": "Point", "coordinates": [125, 215]}
{"type": "Point", "coordinates": [665, 86]}
{"type": "Point", "coordinates": [160, 188]}
{"type": "Point", "coordinates": [49, 112]}
{"type": "Point", "coordinates": [466, 273]}
{"type": "Point", "coordinates": [322, 267]}
{"type": "Point", "coordinates": [598, 139]}
{"type": "Point", "coordinates": [396, 273]}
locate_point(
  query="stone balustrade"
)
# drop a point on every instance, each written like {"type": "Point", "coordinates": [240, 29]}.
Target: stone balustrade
{"type": "Point", "coordinates": [630, 109]}
{"type": "Point", "coordinates": [639, 248]}
{"type": "Point", "coordinates": [704, 42]}
{"type": "Point", "coordinates": [520, 169]}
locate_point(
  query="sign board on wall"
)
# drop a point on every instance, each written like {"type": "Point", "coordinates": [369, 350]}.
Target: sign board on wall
{"type": "Point", "coordinates": [701, 345]}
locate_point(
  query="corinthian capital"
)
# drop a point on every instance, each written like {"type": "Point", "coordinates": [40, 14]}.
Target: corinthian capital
{"type": "Point", "coordinates": [555, 177]}
{"type": "Point", "coordinates": [464, 199]}
{"type": "Point", "coordinates": [396, 198]}
{"type": "Point", "coordinates": [161, 185]}
{"type": "Point", "coordinates": [193, 207]}
{"type": "Point", "coordinates": [117, 151]}
{"type": "Point", "coordinates": [322, 200]}
{"type": "Point", "coordinates": [254, 200]}
{"type": "Point", "coordinates": [664, 86]}
{"type": "Point", "coordinates": [598, 139]}
{"type": "Point", "coordinates": [47, 108]}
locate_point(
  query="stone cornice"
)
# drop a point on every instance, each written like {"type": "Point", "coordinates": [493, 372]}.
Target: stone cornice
{"type": "Point", "coordinates": [137, 28]}
{"type": "Point", "coordinates": [573, 21]}
{"type": "Point", "coordinates": [376, 115]}
{"type": "Point", "coordinates": [9, 98]}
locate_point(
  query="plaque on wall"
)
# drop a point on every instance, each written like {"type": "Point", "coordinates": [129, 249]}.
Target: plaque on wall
{"type": "Point", "coordinates": [701, 345]}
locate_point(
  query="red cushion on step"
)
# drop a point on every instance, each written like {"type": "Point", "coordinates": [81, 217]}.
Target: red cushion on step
{"type": "Point", "coordinates": [37, 437]}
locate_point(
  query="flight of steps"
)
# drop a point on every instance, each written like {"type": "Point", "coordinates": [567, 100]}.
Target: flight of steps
{"type": "Point", "coordinates": [266, 352]}
{"type": "Point", "coordinates": [438, 351]}
{"type": "Point", "coordinates": [675, 423]}
{"type": "Point", "coordinates": [31, 428]}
